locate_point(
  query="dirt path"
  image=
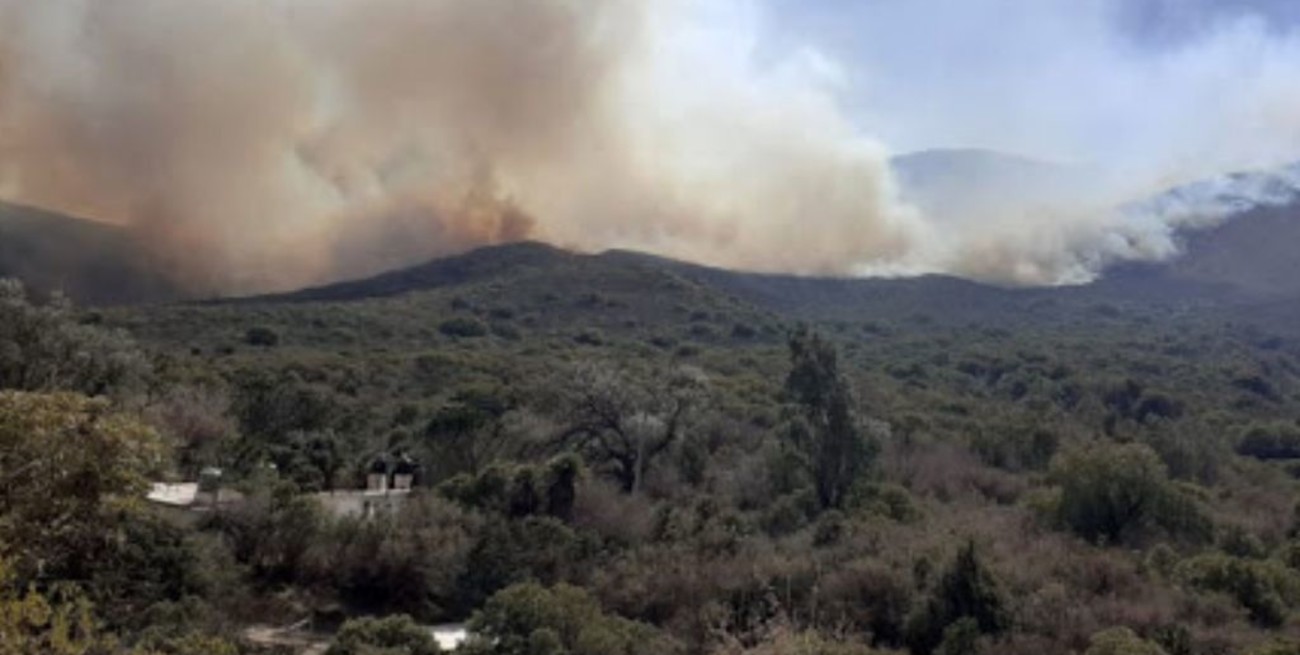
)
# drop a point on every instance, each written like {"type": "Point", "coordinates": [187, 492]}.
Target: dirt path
{"type": "Point", "coordinates": [293, 636]}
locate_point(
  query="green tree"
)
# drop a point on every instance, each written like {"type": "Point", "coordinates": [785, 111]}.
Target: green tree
{"type": "Point", "coordinates": [967, 590]}
{"type": "Point", "coordinates": [272, 530]}
{"type": "Point", "coordinates": [410, 564]}
{"type": "Point", "coordinates": [627, 422]}
{"type": "Point", "coordinates": [68, 466]}
{"type": "Point", "coordinates": [1110, 491]}
{"type": "Point", "coordinates": [507, 552]}
{"type": "Point", "coordinates": [470, 431]}
{"type": "Point", "coordinates": [314, 459]}
{"type": "Point", "coordinates": [32, 622]}
{"type": "Point", "coordinates": [825, 431]}
{"type": "Point", "coordinates": [44, 348]}
{"type": "Point", "coordinates": [1266, 588]}
{"type": "Point", "coordinates": [562, 475]}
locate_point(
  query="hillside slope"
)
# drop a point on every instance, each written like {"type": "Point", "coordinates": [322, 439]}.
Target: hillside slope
{"type": "Point", "coordinates": [91, 262]}
{"type": "Point", "coordinates": [1245, 256]}
{"type": "Point", "coordinates": [1254, 253]}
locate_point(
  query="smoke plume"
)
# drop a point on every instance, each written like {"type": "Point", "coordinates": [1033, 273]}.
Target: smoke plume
{"type": "Point", "coordinates": [272, 143]}
{"type": "Point", "coordinates": [262, 144]}
{"type": "Point", "coordinates": [1127, 98]}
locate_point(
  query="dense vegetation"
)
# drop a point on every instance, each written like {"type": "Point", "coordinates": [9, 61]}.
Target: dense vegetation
{"type": "Point", "coordinates": [625, 459]}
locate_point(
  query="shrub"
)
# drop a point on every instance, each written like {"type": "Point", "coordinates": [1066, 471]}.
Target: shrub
{"type": "Point", "coordinates": [410, 562]}
{"type": "Point", "coordinates": [1121, 641]}
{"type": "Point", "coordinates": [590, 337]}
{"type": "Point", "coordinates": [507, 552]}
{"type": "Point", "coordinates": [43, 349]}
{"type": "Point", "coordinates": [786, 642]}
{"type": "Point", "coordinates": [272, 530]}
{"type": "Point", "coordinates": [786, 515]}
{"type": "Point", "coordinates": [743, 331]}
{"type": "Point", "coordinates": [506, 331]}
{"type": "Point", "coordinates": [186, 644]}
{"type": "Point", "coordinates": [263, 337]}
{"type": "Point", "coordinates": [961, 638]}
{"type": "Point", "coordinates": [1016, 449]}
{"type": "Point", "coordinates": [463, 327]}
{"type": "Point", "coordinates": [1278, 648]}
{"type": "Point", "coordinates": [1266, 442]}
{"type": "Point", "coordinates": [392, 635]}
{"type": "Point", "coordinates": [530, 618]}
{"type": "Point", "coordinates": [870, 598]}
{"type": "Point", "coordinates": [888, 500]}
{"type": "Point", "coordinates": [1265, 588]}
{"type": "Point", "coordinates": [1112, 492]}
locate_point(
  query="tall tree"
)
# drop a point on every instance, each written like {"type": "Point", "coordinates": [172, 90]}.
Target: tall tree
{"type": "Point", "coordinates": [967, 592]}
{"type": "Point", "coordinates": [471, 430]}
{"type": "Point", "coordinates": [825, 429]}
{"type": "Point", "coordinates": [626, 421]}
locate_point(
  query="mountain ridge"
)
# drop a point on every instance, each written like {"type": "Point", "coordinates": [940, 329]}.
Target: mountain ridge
{"type": "Point", "coordinates": [1242, 258]}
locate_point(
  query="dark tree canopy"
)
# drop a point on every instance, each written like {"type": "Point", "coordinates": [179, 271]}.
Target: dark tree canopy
{"type": "Point", "coordinates": [966, 599]}
{"type": "Point", "coordinates": [44, 348]}
{"type": "Point", "coordinates": [825, 430]}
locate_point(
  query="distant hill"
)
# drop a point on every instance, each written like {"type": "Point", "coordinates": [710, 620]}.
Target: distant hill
{"type": "Point", "coordinates": [1238, 240]}
{"type": "Point", "coordinates": [90, 262]}
{"type": "Point", "coordinates": [537, 264]}
{"type": "Point", "coordinates": [1239, 231]}
{"type": "Point", "coordinates": [1250, 256]}
{"type": "Point", "coordinates": [553, 284]}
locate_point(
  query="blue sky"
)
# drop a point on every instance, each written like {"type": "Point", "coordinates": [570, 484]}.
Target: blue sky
{"type": "Point", "coordinates": [1166, 23]}
{"type": "Point", "coordinates": [1184, 84]}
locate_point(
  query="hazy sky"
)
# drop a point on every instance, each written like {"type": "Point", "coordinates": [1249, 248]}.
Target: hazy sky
{"type": "Point", "coordinates": [1182, 84]}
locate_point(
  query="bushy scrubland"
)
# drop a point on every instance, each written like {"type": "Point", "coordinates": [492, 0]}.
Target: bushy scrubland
{"type": "Point", "coordinates": [605, 473]}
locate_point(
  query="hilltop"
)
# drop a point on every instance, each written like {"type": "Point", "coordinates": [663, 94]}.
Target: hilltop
{"type": "Point", "coordinates": [1234, 233]}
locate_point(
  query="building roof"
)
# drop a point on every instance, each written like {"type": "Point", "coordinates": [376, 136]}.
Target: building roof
{"type": "Point", "coordinates": [178, 494]}
{"type": "Point", "coordinates": [450, 636]}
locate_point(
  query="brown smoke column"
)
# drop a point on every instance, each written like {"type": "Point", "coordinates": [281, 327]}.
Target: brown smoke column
{"type": "Point", "coordinates": [272, 143]}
